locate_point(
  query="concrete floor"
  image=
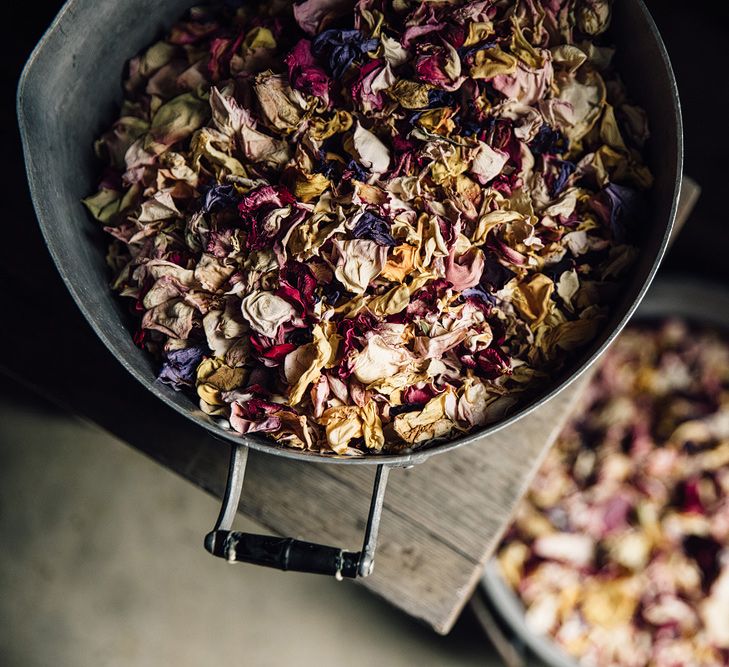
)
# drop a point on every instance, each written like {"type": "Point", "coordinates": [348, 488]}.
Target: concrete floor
{"type": "Point", "coordinates": [101, 563]}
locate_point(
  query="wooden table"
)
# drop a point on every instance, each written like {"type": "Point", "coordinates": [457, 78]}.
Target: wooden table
{"type": "Point", "coordinates": [441, 519]}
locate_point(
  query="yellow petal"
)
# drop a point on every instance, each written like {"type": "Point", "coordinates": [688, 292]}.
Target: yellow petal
{"type": "Point", "coordinates": [308, 187]}
{"type": "Point", "coordinates": [478, 31]}
{"type": "Point", "coordinates": [323, 128]}
{"type": "Point", "coordinates": [391, 302]}
{"type": "Point", "coordinates": [410, 94]}
{"type": "Point", "coordinates": [431, 422]}
{"type": "Point", "coordinates": [209, 394]}
{"type": "Point", "coordinates": [372, 427]}
{"type": "Point", "coordinates": [104, 204]}
{"type": "Point", "coordinates": [532, 299]}
{"type": "Point", "coordinates": [259, 38]}
{"type": "Point", "coordinates": [437, 121]}
{"type": "Point", "coordinates": [315, 355]}
{"type": "Point", "coordinates": [488, 63]}
{"type": "Point", "coordinates": [342, 424]}
{"type": "Point", "coordinates": [399, 263]}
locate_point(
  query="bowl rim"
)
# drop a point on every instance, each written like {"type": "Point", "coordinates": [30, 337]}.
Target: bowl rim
{"type": "Point", "coordinates": [404, 459]}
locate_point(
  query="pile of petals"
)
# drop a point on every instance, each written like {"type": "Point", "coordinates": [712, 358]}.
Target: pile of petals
{"type": "Point", "coordinates": [364, 227]}
{"type": "Point", "coordinates": [621, 551]}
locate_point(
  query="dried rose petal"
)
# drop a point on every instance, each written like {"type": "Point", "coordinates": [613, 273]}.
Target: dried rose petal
{"type": "Point", "coordinates": [631, 481]}
{"type": "Point", "coordinates": [378, 213]}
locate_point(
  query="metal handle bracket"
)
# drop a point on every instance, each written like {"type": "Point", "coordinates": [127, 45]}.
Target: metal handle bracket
{"type": "Point", "coordinates": [287, 553]}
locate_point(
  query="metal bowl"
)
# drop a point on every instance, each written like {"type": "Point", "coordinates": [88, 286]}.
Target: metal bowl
{"type": "Point", "coordinates": [697, 301]}
{"type": "Point", "coordinates": [70, 90]}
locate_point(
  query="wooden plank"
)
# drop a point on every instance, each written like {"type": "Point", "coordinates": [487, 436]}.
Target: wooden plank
{"type": "Point", "coordinates": [441, 519]}
{"type": "Point", "coordinates": [412, 565]}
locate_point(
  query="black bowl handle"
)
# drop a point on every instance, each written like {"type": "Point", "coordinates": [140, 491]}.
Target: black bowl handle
{"type": "Point", "coordinates": [286, 553]}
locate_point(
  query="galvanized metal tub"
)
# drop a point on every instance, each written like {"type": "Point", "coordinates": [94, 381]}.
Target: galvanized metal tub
{"type": "Point", "coordinates": [68, 95]}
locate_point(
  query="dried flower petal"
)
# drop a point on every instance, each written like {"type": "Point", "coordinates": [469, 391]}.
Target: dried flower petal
{"type": "Point", "coordinates": [627, 505]}
{"type": "Point", "coordinates": [390, 222]}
